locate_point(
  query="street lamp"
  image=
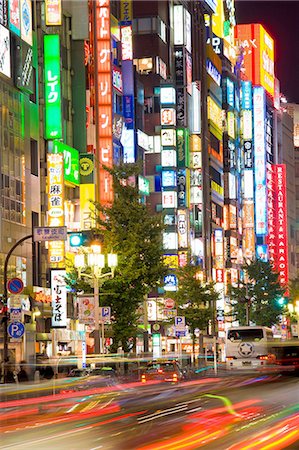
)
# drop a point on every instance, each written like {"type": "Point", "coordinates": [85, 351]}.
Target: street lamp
{"type": "Point", "coordinates": [96, 261]}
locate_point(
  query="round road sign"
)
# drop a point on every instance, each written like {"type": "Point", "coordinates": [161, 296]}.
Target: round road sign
{"type": "Point", "coordinates": [169, 303]}
{"type": "Point", "coordinates": [15, 285]}
{"type": "Point", "coordinates": [16, 329]}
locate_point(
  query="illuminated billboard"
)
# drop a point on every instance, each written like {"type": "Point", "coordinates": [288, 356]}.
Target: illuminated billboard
{"type": "Point", "coordinates": [26, 21]}
{"type": "Point", "coordinates": [259, 111]}
{"type": "Point", "coordinates": [104, 91]}
{"type": "Point", "coordinates": [182, 228]}
{"type": "Point", "coordinates": [55, 183]}
{"type": "Point", "coordinates": [71, 162]}
{"type": "Point", "coordinates": [59, 298]}
{"type": "Point", "coordinates": [258, 55]}
{"type": "Point", "coordinates": [4, 51]}
{"type": "Point", "coordinates": [14, 16]}
{"type": "Point", "coordinates": [53, 127]}
{"type": "Point", "coordinates": [271, 199]}
{"type": "Point", "coordinates": [281, 259]}
{"type": "Point", "coordinates": [53, 12]}
{"type": "Point", "coordinates": [215, 117]}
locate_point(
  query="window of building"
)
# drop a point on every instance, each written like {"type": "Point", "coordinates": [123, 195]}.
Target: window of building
{"type": "Point", "coordinates": [32, 97]}
{"type": "Point", "coordinates": [215, 143]}
{"type": "Point", "coordinates": [150, 25]}
{"type": "Point", "coordinates": [215, 175]}
{"type": "Point", "coordinates": [34, 157]}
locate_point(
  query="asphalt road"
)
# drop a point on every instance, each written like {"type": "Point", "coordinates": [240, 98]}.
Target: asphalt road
{"type": "Point", "coordinates": [231, 412]}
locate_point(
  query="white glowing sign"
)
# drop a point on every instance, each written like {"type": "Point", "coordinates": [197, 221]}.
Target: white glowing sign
{"type": "Point", "coordinates": [248, 184]}
{"type": "Point", "coordinates": [170, 241]}
{"type": "Point", "coordinates": [59, 298]}
{"type": "Point", "coordinates": [169, 199]}
{"type": "Point", "coordinates": [182, 228]}
{"type": "Point", "coordinates": [167, 95]}
{"type": "Point", "coordinates": [126, 43]}
{"type": "Point", "coordinates": [178, 24]}
{"type": "Point", "coordinates": [168, 158]}
{"type": "Point", "coordinates": [247, 124]}
{"type": "Point", "coordinates": [168, 137]}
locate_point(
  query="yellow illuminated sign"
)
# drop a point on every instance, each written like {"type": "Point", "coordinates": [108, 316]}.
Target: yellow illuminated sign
{"type": "Point", "coordinates": [171, 261]}
{"type": "Point", "coordinates": [267, 61]}
{"type": "Point", "coordinates": [215, 116]}
{"type": "Point", "coordinates": [87, 196]}
{"type": "Point", "coordinates": [195, 143]}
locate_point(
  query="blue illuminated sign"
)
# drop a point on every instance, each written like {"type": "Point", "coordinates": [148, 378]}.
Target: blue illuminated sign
{"type": "Point", "coordinates": [230, 93]}
{"type": "Point", "coordinates": [213, 72]}
{"type": "Point", "coordinates": [170, 282]}
{"type": "Point", "coordinates": [168, 178]}
{"type": "Point", "coordinates": [246, 95]}
{"type": "Point", "coordinates": [262, 252]}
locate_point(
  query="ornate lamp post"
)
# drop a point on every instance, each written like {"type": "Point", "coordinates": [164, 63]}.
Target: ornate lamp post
{"type": "Point", "coordinates": [96, 261]}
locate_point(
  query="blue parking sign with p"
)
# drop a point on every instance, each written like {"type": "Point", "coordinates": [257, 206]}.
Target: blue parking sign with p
{"type": "Point", "coordinates": [179, 321]}
{"type": "Point", "coordinates": [16, 329]}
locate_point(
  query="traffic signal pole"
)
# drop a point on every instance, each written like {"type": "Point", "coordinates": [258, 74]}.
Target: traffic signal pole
{"type": "Point", "coordinates": [6, 315]}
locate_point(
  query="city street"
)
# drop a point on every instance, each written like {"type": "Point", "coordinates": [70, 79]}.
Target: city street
{"type": "Point", "coordinates": [228, 412]}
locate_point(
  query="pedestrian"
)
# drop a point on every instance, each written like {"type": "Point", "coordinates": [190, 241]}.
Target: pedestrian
{"type": "Point", "coordinates": [22, 375]}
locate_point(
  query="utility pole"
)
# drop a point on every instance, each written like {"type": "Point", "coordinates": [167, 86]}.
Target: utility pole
{"type": "Point", "coordinates": [5, 298]}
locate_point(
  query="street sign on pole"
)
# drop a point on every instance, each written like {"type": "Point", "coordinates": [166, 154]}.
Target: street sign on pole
{"type": "Point", "coordinates": [15, 314]}
{"type": "Point", "coordinates": [16, 329]}
{"type": "Point", "coordinates": [105, 313]}
{"type": "Point", "coordinates": [15, 285]}
{"type": "Point", "coordinates": [49, 234]}
{"type": "Point", "coordinates": [179, 322]}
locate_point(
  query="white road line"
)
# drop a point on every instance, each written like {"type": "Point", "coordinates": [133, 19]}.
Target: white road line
{"type": "Point", "coordinates": [157, 416]}
{"type": "Point", "coordinates": [45, 439]}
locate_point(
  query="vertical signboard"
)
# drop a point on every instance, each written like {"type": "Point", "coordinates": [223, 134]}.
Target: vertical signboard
{"type": "Point", "coordinates": [71, 162]}
{"type": "Point", "coordinates": [4, 51]}
{"type": "Point", "coordinates": [259, 106]}
{"type": "Point", "coordinates": [272, 219]}
{"type": "Point", "coordinates": [53, 12]}
{"type": "Point", "coordinates": [3, 13]}
{"type": "Point", "coordinates": [59, 298]}
{"type": "Point", "coordinates": [104, 88]}
{"type": "Point", "coordinates": [55, 182]}
{"type": "Point", "coordinates": [258, 55]}
{"type": "Point", "coordinates": [53, 128]}
{"type": "Point", "coordinates": [26, 21]}
{"type": "Point", "coordinates": [128, 82]}
{"type": "Point", "coordinates": [281, 225]}
{"type": "Point", "coordinates": [182, 229]}
{"type": "Point", "coordinates": [14, 16]}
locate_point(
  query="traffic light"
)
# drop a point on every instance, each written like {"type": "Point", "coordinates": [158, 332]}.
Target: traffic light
{"type": "Point", "coordinates": [79, 239]}
{"type": "Point", "coordinates": [282, 301]}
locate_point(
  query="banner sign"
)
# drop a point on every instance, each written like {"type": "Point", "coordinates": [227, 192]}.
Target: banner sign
{"type": "Point", "coordinates": [59, 298]}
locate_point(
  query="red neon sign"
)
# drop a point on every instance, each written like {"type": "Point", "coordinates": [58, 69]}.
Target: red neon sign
{"type": "Point", "coordinates": [281, 225]}
{"type": "Point", "coordinates": [104, 89]}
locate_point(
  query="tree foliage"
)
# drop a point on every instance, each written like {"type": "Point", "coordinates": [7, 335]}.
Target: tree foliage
{"type": "Point", "coordinates": [195, 299]}
{"type": "Point", "coordinates": [130, 230]}
{"type": "Point", "coordinates": [260, 293]}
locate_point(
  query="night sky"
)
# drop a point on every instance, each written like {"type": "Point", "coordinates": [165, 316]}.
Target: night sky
{"type": "Point", "coordinates": [281, 20]}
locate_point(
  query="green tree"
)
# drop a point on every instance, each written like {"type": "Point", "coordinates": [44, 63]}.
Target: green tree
{"type": "Point", "coordinates": [196, 300]}
{"type": "Point", "coordinates": [135, 234]}
{"type": "Point", "coordinates": [259, 299]}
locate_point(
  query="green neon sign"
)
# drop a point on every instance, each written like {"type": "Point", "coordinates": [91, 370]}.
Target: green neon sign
{"type": "Point", "coordinates": [53, 128]}
{"type": "Point", "coordinates": [71, 162]}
